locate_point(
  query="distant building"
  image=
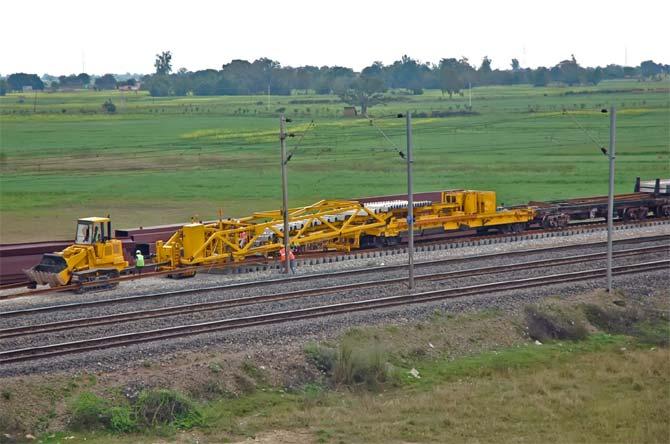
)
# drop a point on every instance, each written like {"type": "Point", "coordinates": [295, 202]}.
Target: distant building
{"type": "Point", "coordinates": [350, 111]}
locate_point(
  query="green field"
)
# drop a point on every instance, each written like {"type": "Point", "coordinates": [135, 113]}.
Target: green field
{"type": "Point", "coordinates": [165, 160]}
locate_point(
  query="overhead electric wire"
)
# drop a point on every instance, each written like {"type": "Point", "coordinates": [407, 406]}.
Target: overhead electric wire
{"type": "Point", "coordinates": [302, 136]}
{"type": "Point", "coordinates": [372, 122]}
{"type": "Point", "coordinates": [597, 142]}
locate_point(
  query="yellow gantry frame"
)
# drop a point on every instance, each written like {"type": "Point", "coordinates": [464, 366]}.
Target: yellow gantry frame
{"type": "Point", "coordinates": [260, 234]}
{"type": "Point", "coordinates": [335, 224]}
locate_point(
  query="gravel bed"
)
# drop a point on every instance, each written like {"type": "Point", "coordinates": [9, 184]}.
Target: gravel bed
{"type": "Point", "coordinates": [299, 332]}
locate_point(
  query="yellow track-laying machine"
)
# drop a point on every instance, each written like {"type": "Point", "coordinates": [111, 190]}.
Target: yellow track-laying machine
{"type": "Point", "coordinates": [334, 225]}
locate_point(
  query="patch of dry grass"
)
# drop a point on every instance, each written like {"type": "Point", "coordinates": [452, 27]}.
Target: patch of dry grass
{"type": "Point", "coordinates": [614, 396]}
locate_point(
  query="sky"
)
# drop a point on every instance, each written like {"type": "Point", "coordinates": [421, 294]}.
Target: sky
{"type": "Point", "coordinates": [125, 35]}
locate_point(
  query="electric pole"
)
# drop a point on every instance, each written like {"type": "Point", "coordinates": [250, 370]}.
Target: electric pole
{"type": "Point", "coordinates": [410, 203]}
{"type": "Point", "coordinates": [284, 186]}
{"type": "Point", "coordinates": [611, 154]}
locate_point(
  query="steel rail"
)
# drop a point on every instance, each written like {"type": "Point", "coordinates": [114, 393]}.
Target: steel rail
{"type": "Point", "coordinates": [126, 339]}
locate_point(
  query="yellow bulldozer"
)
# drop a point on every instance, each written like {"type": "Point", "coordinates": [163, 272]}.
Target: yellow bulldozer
{"type": "Point", "coordinates": [94, 258]}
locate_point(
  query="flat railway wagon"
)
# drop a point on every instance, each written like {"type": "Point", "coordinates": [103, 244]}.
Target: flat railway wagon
{"type": "Point", "coordinates": [649, 199]}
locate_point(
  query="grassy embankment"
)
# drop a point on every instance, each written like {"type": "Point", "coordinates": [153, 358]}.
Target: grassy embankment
{"type": "Point", "coordinates": [481, 377]}
{"type": "Point", "coordinates": [164, 160]}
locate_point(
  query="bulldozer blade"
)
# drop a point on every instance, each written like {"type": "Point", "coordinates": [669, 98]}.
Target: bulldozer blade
{"type": "Point", "coordinates": [48, 271]}
{"type": "Point", "coordinates": [44, 278]}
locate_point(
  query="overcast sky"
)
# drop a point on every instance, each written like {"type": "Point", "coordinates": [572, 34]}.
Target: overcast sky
{"type": "Point", "coordinates": [124, 35]}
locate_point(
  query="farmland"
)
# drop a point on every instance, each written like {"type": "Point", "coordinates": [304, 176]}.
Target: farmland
{"type": "Point", "coordinates": [166, 160]}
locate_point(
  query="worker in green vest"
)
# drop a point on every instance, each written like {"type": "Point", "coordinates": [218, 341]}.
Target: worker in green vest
{"type": "Point", "coordinates": [139, 262]}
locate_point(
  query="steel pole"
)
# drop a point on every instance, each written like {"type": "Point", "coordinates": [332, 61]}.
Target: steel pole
{"type": "Point", "coordinates": [410, 203]}
{"type": "Point", "coordinates": [284, 189]}
{"type": "Point", "coordinates": [610, 201]}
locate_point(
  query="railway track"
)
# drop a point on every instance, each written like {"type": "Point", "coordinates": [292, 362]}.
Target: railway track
{"type": "Point", "coordinates": [126, 339]}
{"type": "Point", "coordinates": [442, 241]}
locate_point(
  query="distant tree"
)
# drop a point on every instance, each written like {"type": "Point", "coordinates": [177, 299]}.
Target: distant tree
{"type": "Point", "coordinates": [181, 82]}
{"type": "Point", "coordinates": [541, 76]}
{"type": "Point", "coordinates": [515, 65]}
{"type": "Point", "coordinates": [650, 69]}
{"type": "Point", "coordinates": [451, 76]}
{"type": "Point", "coordinates": [3, 87]}
{"type": "Point", "coordinates": [613, 71]}
{"type": "Point", "coordinates": [54, 85]}
{"type": "Point", "coordinates": [108, 81]}
{"type": "Point", "coordinates": [17, 81]}
{"type": "Point", "coordinates": [569, 71]}
{"type": "Point", "coordinates": [374, 70]}
{"type": "Point", "coordinates": [205, 83]}
{"type": "Point", "coordinates": [333, 79]}
{"type": "Point", "coordinates": [407, 73]}
{"type": "Point", "coordinates": [74, 81]}
{"type": "Point", "coordinates": [305, 77]}
{"type": "Point", "coordinates": [594, 76]}
{"type": "Point", "coordinates": [484, 71]}
{"type": "Point", "coordinates": [264, 70]}
{"type": "Point", "coordinates": [159, 86]}
{"type": "Point", "coordinates": [364, 92]}
{"type": "Point", "coordinates": [163, 63]}
{"type": "Point", "coordinates": [84, 79]}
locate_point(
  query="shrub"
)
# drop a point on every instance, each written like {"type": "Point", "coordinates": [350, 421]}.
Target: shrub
{"type": "Point", "coordinates": [252, 371]}
{"type": "Point", "coordinates": [364, 365]}
{"type": "Point", "coordinates": [653, 332]}
{"type": "Point", "coordinates": [550, 322]}
{"type": "Point", "coordinates": [358, 360]}
{"type": "Point", "coordinates": [109, 106]}
{"type": "Point", "coordinates": [122, 420]}
{"type": "Point", "coordinates": [215, 367]}
{"type": "Point", "coordinates": [88, 411]}
{"type": "Point", "coordinates": [322, 357]}
{"type": "Point", "coordinates": [157, 407]}
{"type": "Point", "coordinates": [615, 321]}
{"type": "Point", "coordinates": [647, 327]}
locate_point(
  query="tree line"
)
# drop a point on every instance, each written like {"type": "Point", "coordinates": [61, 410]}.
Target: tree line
{"type": "Point", "coordinates": [450, 75]}
{"type": "Point", "coordinates": [264, 75]}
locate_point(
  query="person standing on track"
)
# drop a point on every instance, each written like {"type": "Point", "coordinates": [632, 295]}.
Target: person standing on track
{"type": "Point", "coordinates": [291, 258]}
{"type": "Point", "coordinates": [139, 262]}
